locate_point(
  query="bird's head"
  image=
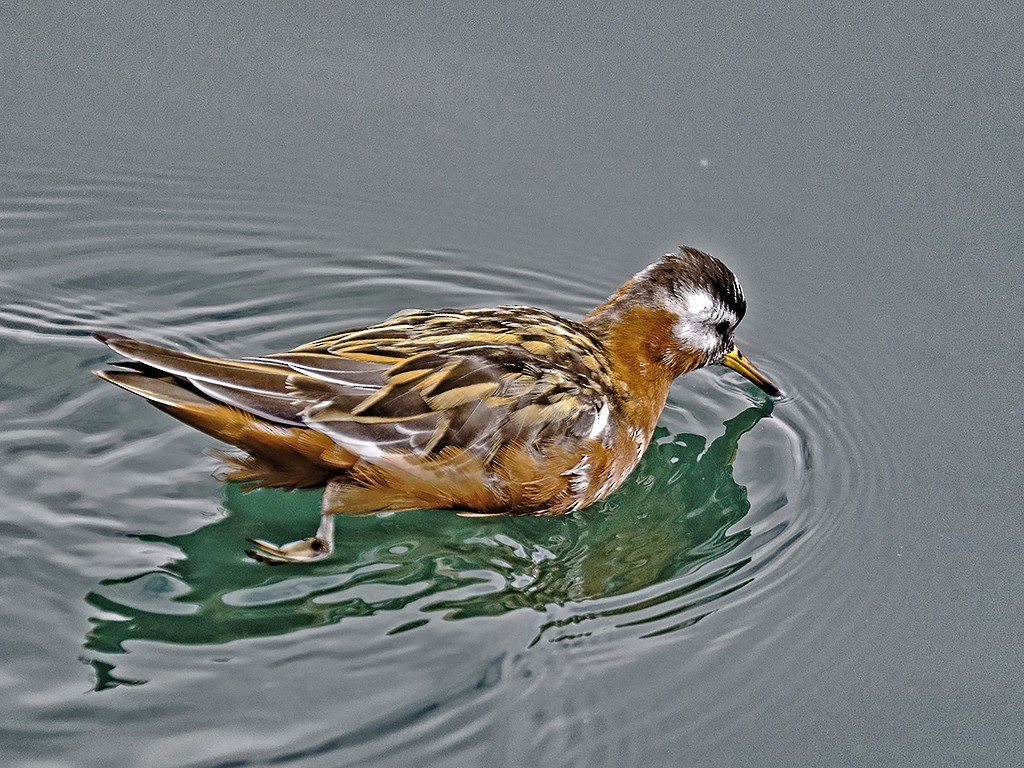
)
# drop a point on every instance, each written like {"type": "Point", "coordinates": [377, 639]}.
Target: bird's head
{"type": "Point", "coordinates": [702, 302]}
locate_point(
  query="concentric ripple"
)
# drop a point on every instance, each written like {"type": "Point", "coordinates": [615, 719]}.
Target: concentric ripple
{"type": "Point", "coordinates": [716, 562]}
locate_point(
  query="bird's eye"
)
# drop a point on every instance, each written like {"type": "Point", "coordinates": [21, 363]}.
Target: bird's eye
{"type": "Point", "coordinates": [722, 328]}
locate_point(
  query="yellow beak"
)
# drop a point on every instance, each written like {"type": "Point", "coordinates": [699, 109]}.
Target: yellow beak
{"type": "Point", "coordinates": [735, 360]}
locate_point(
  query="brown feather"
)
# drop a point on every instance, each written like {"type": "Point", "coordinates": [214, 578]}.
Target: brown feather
{"type": "Point", "coordinates": [504, 409]}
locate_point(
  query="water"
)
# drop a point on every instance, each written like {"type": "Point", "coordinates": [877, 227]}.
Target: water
{"type": "Point", "coordinates": [438, 618]}
{"type": "Point", "coordinates": [826, 578]}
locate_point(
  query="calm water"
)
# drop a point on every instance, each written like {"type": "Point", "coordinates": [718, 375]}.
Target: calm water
{"type": "Point", "coordinates": [827, 578]}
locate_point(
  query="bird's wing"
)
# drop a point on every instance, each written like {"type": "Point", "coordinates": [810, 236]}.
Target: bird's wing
{"type": "Point", "coordinates": [418, 383]}
{"type": "Point", "coordinates": [422, 382]}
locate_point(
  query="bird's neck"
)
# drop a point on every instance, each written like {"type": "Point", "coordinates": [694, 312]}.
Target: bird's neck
{"type": "Point", "coordinates": [640, 341]}
{"type": "Point", "coordinates": [645, 358]}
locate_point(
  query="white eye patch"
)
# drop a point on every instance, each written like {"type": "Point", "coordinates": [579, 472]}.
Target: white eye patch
{"type": "Point", "coordinates": [698, 314]}
{"type": "Point", "coordinates": [699, 303]}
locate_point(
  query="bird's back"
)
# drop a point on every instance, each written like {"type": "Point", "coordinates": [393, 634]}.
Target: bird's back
{"type": "Point", "coordinates": [484, 409]}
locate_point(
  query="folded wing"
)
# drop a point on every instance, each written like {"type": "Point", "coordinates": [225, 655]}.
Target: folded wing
{"type": "Point", "coordinates": [420, 383]}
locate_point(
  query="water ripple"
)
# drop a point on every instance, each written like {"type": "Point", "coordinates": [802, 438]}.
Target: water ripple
{"type": "Point", "coordinates": [717, 561]}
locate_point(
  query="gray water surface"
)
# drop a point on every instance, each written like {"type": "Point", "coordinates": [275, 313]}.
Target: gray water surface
{"type": "Point", "coordinates": [832, 578]}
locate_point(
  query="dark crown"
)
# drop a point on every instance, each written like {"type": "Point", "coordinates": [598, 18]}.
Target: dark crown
{"type": "Point", "coordinates": [692, 269]}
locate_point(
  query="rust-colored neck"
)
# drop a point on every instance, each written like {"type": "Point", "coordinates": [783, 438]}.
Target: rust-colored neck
{"type": "Point", "coordinates": [644, 353]}
{"type": "Point", "coordinates": [641, 338]}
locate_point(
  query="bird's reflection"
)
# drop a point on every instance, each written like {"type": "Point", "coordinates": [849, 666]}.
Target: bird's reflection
{"type": "Point", "coordinates": [674, 516]}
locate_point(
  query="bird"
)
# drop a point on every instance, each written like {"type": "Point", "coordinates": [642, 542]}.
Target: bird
{"type": "Point", "coordinates": [486, 411]}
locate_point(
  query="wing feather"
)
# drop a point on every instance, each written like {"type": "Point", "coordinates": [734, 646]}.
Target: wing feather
{"type": "Point", "coordinates": [420, 383]}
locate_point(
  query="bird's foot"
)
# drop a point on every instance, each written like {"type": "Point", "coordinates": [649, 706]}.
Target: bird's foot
{"type": "Point", "coordinates": [302, 551]}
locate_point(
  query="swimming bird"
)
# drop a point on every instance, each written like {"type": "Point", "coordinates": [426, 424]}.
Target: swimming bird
{"type": "Point", "coordinates": [502, 410]}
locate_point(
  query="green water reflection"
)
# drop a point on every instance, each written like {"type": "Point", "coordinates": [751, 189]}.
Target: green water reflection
{"type": "Point", "coordinates": [675, 515]}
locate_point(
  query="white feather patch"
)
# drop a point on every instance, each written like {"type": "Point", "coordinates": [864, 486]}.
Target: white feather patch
{"type": "Point", "coordinates": [600, 421]}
